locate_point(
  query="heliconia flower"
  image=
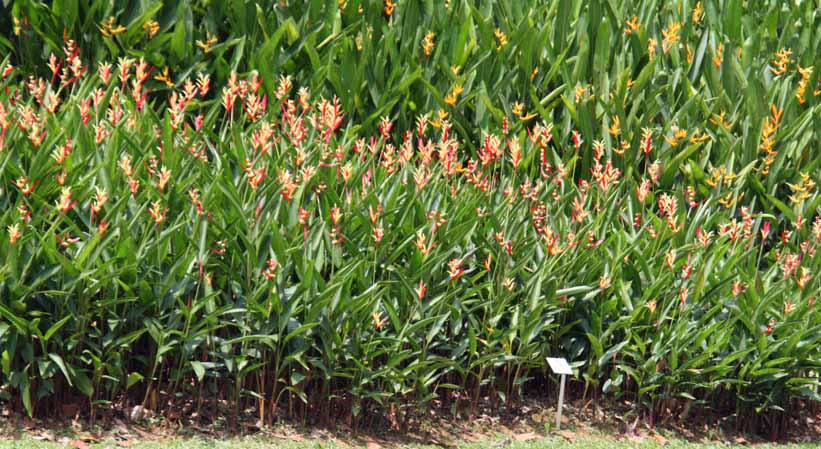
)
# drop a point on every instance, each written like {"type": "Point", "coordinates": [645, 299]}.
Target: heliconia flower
{"type": "Point", "coordinates": [65, 203]}
{"type": "Point", "coordinates": [336, 215]}
{"type": "Point", "coordinates": [53, 65]}
{"type": "Point", "coordinates": [66, 239]}
{"type": "Point", "coordinates": [203, 84]}
{"type": "Point", "coordinates": [682, 294]}
{"type": "Point", "coordinates": [421, 176]}
{"type": "Point", "coordinates": [670, 259]}
{"type": "Point", "coordinates": [455, 269]}
{"type": "Point", "coordinates": [284, 86]}
{"type": "Point", "coordinates": [671, 36]}
{"type": "Point", "coordinates": [165, 176]}
{"type": "Point", "coordinates": [255, 106]}
{"type": "Point", "coordinates": [788, 307]}
{"type": "Point", "coordinates": [730, 229]}
{"type": "Point", "coordinates": [100, 132]}
{"type": "Point", "coordinates": [451, 98]}
{"type": "Point", "coordinates": [687, 269]}
{"type": "Point", "coordinates": [421, 290]}
{"type": "Point", "coordinates": [157, 212]}
{"type": "Point", "coordinates": [738, 288]}
{"type": "Point", "coordinates": [60, 154]}
{"type": "Point", "coordinates": [427, 43]}
{"type": "Point", "coordinates": [509, 284]}
{"type": "Point", "coordinates": [816, 228]}
{"type": "Point", "coordinates": [303, 96]}
{"type": "Point", "coordinates": [805, 277]}
{"type": "Point", "coordinates": [770, 327]}
{"type": "Point", "coordinates": [142, 72]}
{"type": "Point", "coordinates": [123, 68]}
{"type": "Point", "coordinates": [421, 125]}
{"type": "Point", "coordinates": [7, 69]}
{"type": "Point", "coordinates": [22, 183]}
{"type": "Point", "coordinates": [100, 198]}
{"type": "Point", "coordinates": [52, 102]}
{"type": "Point", "coordinates": [378, 234]}
{"type": "Point", "coordinates": [579, 214]}
{"type": "Point", "coordinates": [631, 25]}
{"type": "Point", "coordinates": [667, 205]}
{"type": "Point", "coordinates": [690, 195]}
{"type": "Point", "coordinates": [422, 243]}
{"type": "Point", "coordinates": [102, 227]}
{"type": "Point", "coordinates": [288, 185]}
{"type": "Point", "coordinates": [24, 212]}
{"type": "Point", "coordinates": [85, 108]}
{"type": "Point", "coordinates": [789, 263]}
{"type": "Point", "coordinates": [270, 269]}
{"type": "Point", "coordinates": [256, 177]}
{"type": "Point", "coordinates": [647, 141]}
{"type": "Point", "coordinates": [14, 233]}
{"type": "Point", "coordinates": [598, 149]}
{"type": "Point", "coordinates": [388, 6]}
{"type": "Point", "coordinates": [228, 99]}
{"type": "Point", "coordinates": [655, 171]}
{"type": "Point", "coordinates": [125, 165]}
{"type": "Point", "coordinates": [151, 27]}
{"type": "Point", "coordinates": [378, 321]}
{"type": "Point", "coordinates": [746, 221]}
{"type": "Point", "coordinates": [374, 214]}
{"type": "Point", "coordinates": [303, 216]}
{"type": "Point", "coordinates": [642, 190]}
{"type": "Point", "coordinates": [577, 139]}
{"type": "Point", "coordinates": [703, 238]}
{"type": "Point", "coordinates": [385, 127]}
{"type": "Point", "coordinates": [604, 282]}
{"type": "Point", "coordinates": [605, 175]}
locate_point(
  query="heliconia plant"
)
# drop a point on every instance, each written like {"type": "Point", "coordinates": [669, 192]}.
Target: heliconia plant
{"type": "Point", "coordinates": [173, 239]}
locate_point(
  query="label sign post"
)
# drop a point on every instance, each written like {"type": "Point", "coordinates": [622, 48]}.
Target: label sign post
{"type": "Point", "coordinates": [561, 367]}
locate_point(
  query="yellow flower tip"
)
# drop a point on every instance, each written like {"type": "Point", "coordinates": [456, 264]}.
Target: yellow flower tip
{"type": "Point", "coordinates": [698, 13]}
{"type": "Point", "coordinates": [632, 25]}
{"type": "Point", "coordinates": [152, 27]}
{"type": "Point", "coordinates": [164, 77]}
{"type": "Point", "coordinates": [388, 7]}
{"type": "Point", "coordinates": [209, 42]}
{"type": "Point", "coordinates": [671, 36]}
{"type": "Point", "coordinates": [110, 27]}
{"type": "Point", "coordinates": [501, 39]}
{"type": "Point", "coordinates": [428, 43]}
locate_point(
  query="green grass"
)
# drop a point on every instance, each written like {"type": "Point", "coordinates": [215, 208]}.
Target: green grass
{"type": "Point", "coordinates": [262, 443]}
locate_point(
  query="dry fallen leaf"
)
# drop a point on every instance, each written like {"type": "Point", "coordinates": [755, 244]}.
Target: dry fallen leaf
{"type": "Point", "coordinates": [79, 444]}
{"type": "Point", "coordinates": [526, 436]}
{"type": "Point", "coordinates": [567, 435]}
{"type": "Point", "coordinates": [660, 439]}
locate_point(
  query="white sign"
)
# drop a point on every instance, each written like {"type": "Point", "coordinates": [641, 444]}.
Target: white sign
{"type": "Point", "coordinates": [559, 366]}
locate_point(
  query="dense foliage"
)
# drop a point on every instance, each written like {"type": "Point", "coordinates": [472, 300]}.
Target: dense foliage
{"type": "Point", "coordinates": [636, 193]}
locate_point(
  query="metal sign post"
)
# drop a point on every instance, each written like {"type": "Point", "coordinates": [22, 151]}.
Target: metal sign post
{"type": "Point", "coordinates": [561, 367]}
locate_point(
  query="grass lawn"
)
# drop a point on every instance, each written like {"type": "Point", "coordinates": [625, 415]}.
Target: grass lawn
{"type": "Point", "coordinates": [553, 442]}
